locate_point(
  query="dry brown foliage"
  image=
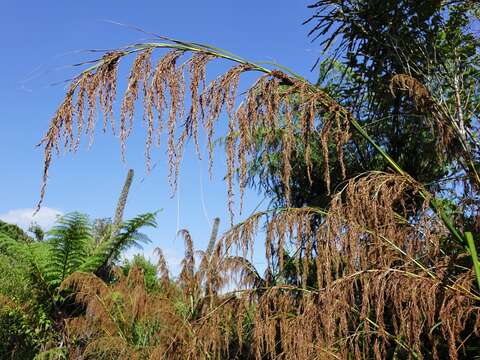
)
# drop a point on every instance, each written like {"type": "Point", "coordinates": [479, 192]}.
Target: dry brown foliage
{"type": "Point", "coordinates": [124, 321]}
{"type": "Point", "coordinates": [380, 280]}
{"type": "Point", "coordinates": [107, 330]}
{"type": "Point", "coordinates": [381, 288]}
{"type": "Point", "coordinates": [420, 94]}
{"type": "Point", "coordinates": [441, 123]}
{"type": "Point", "coordinates": [162, 267]}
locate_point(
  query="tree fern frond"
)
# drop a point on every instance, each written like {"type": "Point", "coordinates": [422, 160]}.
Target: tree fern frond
{"type": "Point", "coordinates": [110, 249]}
{"type": "Point", "coordinates": [69, 241]}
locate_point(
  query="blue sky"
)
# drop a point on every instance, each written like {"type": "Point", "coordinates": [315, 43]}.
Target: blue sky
{"type": "Point", "coordinates": [41, 39]}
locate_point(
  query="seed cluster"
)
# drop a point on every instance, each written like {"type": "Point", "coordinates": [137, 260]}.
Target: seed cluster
{"type": "Point", "coordinates": [276, 102]}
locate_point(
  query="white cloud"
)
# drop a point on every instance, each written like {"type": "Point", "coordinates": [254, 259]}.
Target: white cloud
{"type": "Point", "coordinates": [46, 217]}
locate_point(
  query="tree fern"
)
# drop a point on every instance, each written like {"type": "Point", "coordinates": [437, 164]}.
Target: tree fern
{"type": "Point", "coordinates": [111, 248]}
{"type": "Point", "coordinates": [68, 241]}
{"type": "Point", "coordinates": [70, 246]}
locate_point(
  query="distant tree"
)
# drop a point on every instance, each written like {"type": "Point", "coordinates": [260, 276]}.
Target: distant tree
{"type": "Point", "coordinates": [431, 41]}
{"type": "Point", "coordinates": [37, 231]}
{"type": "Point", "coordinates": [150, 271]}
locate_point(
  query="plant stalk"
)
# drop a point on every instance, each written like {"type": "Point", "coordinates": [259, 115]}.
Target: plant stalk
{"type": "Point", "coordinates": [473, 253]}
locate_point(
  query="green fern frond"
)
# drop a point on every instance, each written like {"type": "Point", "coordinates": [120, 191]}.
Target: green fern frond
{"type": "Point", "coordinates": [129, 235]}
{"type": "Point", "coordinates": [69, 241]}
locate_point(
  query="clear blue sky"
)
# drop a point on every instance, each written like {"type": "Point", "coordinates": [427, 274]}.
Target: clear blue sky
{"type": "Point", "coordinates": [40, 39]}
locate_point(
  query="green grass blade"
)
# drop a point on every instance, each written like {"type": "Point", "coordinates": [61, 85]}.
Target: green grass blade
{"type": "Point", "coordinates": [473, 253]}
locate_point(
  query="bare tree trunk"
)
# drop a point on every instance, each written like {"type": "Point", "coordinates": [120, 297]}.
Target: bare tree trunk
{"type": "Point", "coordinates": [213, 236]}
{"type": "Point", "coordinates": [118, 220]}
{"type": "Point", "coordinates": [122, 201]}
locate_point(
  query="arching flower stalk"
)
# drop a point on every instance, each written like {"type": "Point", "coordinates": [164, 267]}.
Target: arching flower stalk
{"type": "Point", "coordinates": [163, 90]}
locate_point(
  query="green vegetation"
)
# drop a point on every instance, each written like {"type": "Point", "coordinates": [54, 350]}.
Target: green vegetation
{"type": "Point", "coordinates": [34, 306]}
